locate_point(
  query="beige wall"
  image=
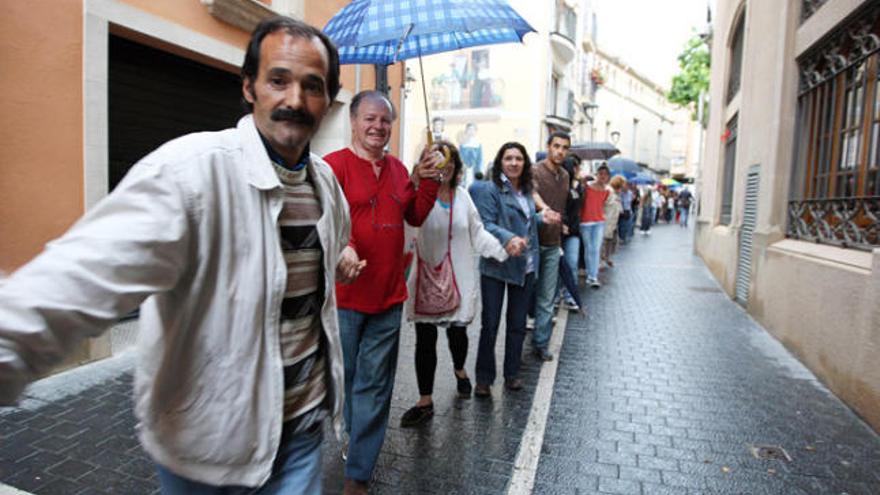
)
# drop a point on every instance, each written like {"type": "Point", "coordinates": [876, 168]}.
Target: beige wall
{"type": "Point", "coordinates": [41, 130]}
{"type": "Point", "coordinates": [820, 301]}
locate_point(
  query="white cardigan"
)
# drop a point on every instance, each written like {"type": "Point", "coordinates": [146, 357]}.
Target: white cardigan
{"type": "Point", "coordinates": [469, 241]}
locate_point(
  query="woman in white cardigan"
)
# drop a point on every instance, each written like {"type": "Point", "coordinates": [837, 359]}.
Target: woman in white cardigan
{"type": "Point", "coordinates": [469, 241]}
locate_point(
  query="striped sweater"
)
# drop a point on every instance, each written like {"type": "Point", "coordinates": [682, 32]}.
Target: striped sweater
{"type": "Point", "coordinates": [302, 346]}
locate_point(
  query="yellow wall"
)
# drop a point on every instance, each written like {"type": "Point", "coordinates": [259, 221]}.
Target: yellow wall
{"type": "Point", "coordinates": [41, 148]}
{"type": "Point", "coordinates": [192, 15]}
{"type": "Point", "coordinates": [41, 189]}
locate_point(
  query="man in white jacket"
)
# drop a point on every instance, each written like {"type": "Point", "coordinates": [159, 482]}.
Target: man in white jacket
{"type": "Point", "coordinates": [231, 241]}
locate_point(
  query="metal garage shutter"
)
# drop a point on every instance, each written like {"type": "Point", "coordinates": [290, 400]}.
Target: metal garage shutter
{"type": "Point", "coordinates": [155, 96]}
{"type": "Point", "coordinates": [750, 219]}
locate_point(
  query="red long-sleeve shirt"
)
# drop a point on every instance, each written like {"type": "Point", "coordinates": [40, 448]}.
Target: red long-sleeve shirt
{"type": "Point", "coordinates": [379, 207]}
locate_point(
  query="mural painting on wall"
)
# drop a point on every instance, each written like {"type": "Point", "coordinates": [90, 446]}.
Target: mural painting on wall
{"type": "Point", "coordinates": [467, 83]}
{"type": "Point", "coordinates": [471, 151]}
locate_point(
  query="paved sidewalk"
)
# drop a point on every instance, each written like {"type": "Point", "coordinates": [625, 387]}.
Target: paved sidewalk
{"type": "Point", "coordinates": [666, 384]}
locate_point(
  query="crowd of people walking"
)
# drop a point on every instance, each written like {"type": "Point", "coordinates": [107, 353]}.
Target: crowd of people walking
{"type": "Point", "coordinates": [275, 284]}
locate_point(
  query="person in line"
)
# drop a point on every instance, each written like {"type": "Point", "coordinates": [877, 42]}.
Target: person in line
{"type": "Point", "coordinates": [551, 184]}
{"type": "Point", "coordinates": [636, 202]}
{"type": "Point", "coordinates": [647, 201]}
{"type": "Point", "coordinates": [453, 210]}
{"type": "Point", "coordinates": [624, 232]}
{"type": "Point", "coordinates": [592, 227]}
{"type": "Point", "coordinates": [508, 212]}
{"type": "Point", "coordinates": [381, 197]}
{"type": "Point", "coordinates": [231, 240]}
{"type": "Point", "coordinates": [571, 238]}
{"type": "Point", "coordinates": [657, 204]}
{"type": "Point", "coordinates": [612, 211]}
{"type": "Point", "coordinates": [684, 206]}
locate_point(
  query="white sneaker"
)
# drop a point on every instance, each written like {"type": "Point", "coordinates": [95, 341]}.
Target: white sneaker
{"type": "Point", "coordinates": [595, 284]}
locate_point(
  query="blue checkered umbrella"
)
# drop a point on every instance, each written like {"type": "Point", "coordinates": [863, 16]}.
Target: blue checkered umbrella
{"type": "Point", "coordinates": [387, 31]}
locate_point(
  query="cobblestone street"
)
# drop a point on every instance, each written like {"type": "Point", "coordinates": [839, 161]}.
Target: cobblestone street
{"type": "Point", "coordinates": [665, 386]}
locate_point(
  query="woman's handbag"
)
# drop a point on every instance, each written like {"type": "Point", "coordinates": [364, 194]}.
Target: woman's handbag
{"type": "Point", "coordinates": [436, 289]}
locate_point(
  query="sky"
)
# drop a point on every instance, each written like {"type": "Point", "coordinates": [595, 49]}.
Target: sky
{"type": "Point", "coordinates": [649, 34]}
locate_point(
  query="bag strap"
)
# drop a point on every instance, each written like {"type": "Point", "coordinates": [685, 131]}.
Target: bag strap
{"type": "Point", "coordinates": [449, 236]}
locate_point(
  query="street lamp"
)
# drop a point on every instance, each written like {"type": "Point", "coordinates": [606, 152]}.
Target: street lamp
{"type": "Point", "coordinates": [615, 137]}
{"type": "Point", "coordinates": [589, 110]}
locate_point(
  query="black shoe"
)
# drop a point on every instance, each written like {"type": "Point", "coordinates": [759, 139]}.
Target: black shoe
{"type": "Point", "coordinates": [482, 391]}
{"type": "Point", "coordinates": [513, 384]}
{"type": "Point", "coordinates": [464, 386]}
{"type": "Point", "coordinates": [542, 354]}
{"type": "Point", "coordinates": [417, 415]}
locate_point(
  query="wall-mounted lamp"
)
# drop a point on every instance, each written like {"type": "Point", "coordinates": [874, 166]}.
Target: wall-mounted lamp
{"type": "Point", "coordinates": [615, 137]}
{"type": "Point", "coordinates": [589, 110]}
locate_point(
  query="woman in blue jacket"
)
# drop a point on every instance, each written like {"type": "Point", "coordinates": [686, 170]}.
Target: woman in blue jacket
{"type": "Point", "coordinates": [508, 211]}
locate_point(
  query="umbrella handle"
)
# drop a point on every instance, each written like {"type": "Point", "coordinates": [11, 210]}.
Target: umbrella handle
{"type": "Point", "coordinates": [425, 99]}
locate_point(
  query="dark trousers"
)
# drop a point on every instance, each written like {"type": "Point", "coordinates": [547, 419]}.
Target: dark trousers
{"type": "Point", "coordinates": [492, 291]}
{"type": "Point", "coordinates": [426, 352]}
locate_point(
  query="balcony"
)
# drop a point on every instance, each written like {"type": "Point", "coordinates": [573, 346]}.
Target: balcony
{"type": "Point", "coordinates": [563, 52]}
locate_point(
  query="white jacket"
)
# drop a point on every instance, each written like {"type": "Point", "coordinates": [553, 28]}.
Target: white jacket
{"type": "Point", "coordinates": [192, 229]}
{"type": "Point", "coordinates": [469, 241]}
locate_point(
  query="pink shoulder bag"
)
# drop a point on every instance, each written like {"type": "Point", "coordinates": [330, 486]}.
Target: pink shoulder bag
{"type": "Point", "coordinates": [436, 289]}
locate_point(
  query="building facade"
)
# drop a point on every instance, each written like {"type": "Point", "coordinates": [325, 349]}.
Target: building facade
{"type": "Point", "coordinates": [789, 218]}
{"type": "Point", "coordinates": [94, 85]}
{"type": "Point", "coordinates": [632, 111]}
{"type": "Point", "coordinates": [485, 96]}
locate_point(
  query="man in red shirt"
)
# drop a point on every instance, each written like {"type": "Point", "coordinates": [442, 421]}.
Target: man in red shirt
{"type": "Point", "coordinates": [381, 197]}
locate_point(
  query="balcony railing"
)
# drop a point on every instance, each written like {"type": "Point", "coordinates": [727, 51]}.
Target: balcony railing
{"type": "Point", "coordinates": [846, 222]}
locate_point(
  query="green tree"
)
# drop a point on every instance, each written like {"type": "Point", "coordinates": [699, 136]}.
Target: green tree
{"type": "Point", "coordinates": [693, 78]}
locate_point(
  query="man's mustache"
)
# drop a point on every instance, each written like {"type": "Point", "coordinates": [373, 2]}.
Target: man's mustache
{"type": "Point", "coordinates": [292, 115]}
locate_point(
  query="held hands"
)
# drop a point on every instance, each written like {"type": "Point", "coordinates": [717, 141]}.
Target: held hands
{"type": "Point", "coordinates": [516, 245]}
{"type": "Point", "coordinates": [551, 217]}
{"type": "Point", "coordinates": [565, 229]}
{"type": "Point", "coordinates": [349, 267]}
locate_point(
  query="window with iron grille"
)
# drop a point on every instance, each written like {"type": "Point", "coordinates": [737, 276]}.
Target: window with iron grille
{"type": "Point", "coordinates": [835, 194]}
{"type": "Point", "coordinates": [729, 176]}
{"type": "Point", "coordinates": [736, 55]}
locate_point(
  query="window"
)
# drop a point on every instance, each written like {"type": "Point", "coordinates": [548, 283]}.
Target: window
{"type": "Point", "coordinates": [553, 97]}
{"type": "Point", "coordinates": [835, 193]}
{"type": "Point", "coordinates": [839, 125]}
{"type": "Point", "coordinates": [566, 21]}
{"type": "Point", "coordinates": [729, 169]}
{"type": "Point", "coordinates": [736, 54]}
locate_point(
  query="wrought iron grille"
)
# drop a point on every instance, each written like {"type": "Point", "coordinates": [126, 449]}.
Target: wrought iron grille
{"type": "Point", "coordinates": [846, 222]}
{"type": "Point", "coordinates": [809, 7]}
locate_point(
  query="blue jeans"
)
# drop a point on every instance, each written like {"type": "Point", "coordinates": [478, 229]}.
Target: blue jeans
{"type": "Point", "coordinates": [647, 218]}
{"type": "Point", "coordinates": [297, 470]}
{"type": "Point", "coordinates": [592, 235]}
{"type": "Point", "coordinates": [545, 293]}
{"type": "Point", "coordinates": [492, 291]}
{"type": "Point", "coordinates": [683, 219]}
{"type": "Point", "coordinates": [571, 247]}
{"type": "Point", "coordinates": [624, 227]}
{"type": "Point", "coordinates": [369, 350]}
